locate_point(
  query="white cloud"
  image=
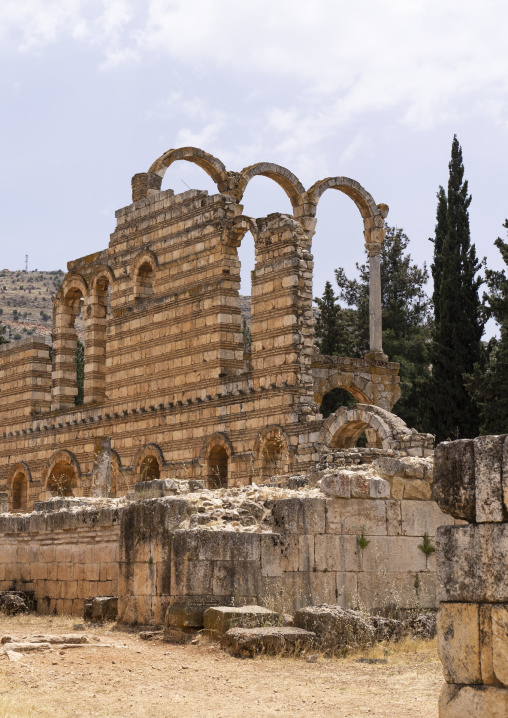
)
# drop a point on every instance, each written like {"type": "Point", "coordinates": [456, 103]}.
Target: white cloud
{"type": "Point", "coordinates": [427, 59]}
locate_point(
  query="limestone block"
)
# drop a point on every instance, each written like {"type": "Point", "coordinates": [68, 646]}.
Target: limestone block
{"type": "Point", "coordinates": [337, 553]}
{"type": "Point", "coordinates": [488, 462]}
{"type": "Point", "coordinates": [420, 517]}
{"type": "Point", "coordinates": [279, 553]}
{"type": "Point", "coordinates": [393, 554]}
{"type": "Point", "coordinates": [346, 589]}
{"type": "Point", "coordinates": [472, 563]}
{"type": "Point", "coordinates": [393, 518]}
{"type": "Point", "coordinates": [458, 645]}
{"type": "Point", "coordinates": [473, 702]}
{"type": "Point", "coordinates": [279, 639]}
{"type": "Point", "coordinates": [219, 619]}
{"type": "Point", "coordinates": [417, 489]}
{"type": "Point", "coordinates": [487, 668]}
{"type": "Point", "coordinates": [337, 485]}
{"type": "Point", "coordinates": [303, 516]}
{"type": "Point", "coordinates": [352, 516]}
{"type": "Point", "coordinates": [232, 578]}
{"type": "Point", "coordinates": [500, 643]}
{"type": "Point", "coordinates": [454, 478]}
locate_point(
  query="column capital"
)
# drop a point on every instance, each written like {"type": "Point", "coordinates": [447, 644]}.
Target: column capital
{"type": "Point", "coordinates": [373, 248]}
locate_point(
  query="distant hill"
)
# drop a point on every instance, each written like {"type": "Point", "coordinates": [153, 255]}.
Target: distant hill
{"type": "Point", "coordinates": [26, 302]}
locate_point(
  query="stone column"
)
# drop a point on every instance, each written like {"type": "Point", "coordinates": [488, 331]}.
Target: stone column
{"type": "Point", "coordinates": [373, 244]}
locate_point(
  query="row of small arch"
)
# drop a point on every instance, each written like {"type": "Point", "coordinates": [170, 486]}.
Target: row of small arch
{"type": "Point", "coordinates": [340, 429]}
{"type": "Point", "coordinates": [104, 275]}
{"type": "Point", "coordinates": [304, 202]}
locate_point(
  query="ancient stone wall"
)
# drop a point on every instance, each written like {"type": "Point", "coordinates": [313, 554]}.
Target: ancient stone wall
{"type": "Point", "coordinates": [349, 543]}
{"type": "Point", "coordinates": [472, 568]}
{"type": "Point", "coordinates": [64, 556]}
{"type": "Point", "coordinates": [168, 384]}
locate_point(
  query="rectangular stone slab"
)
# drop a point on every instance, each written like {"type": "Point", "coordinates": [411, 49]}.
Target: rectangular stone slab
{"type": "Point", "coordinates": [472, 563]}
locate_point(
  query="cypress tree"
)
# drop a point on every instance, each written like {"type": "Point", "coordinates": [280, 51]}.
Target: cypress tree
{"type": "Point", "coordinates": [331, 330]}
{"type": "Point", "coordinates": [458, 326]}
{"type": "Point", "coordinates": [439, 238]}
{"type": "Point", "coordinates": [489, 382]}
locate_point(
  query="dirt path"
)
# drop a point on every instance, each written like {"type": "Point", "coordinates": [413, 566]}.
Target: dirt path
{"type": "Point", "coordinates": [155, 679]}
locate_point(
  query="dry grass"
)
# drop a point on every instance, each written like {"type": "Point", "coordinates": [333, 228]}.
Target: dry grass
{"type": "Point", "coordinates": [139, 679]}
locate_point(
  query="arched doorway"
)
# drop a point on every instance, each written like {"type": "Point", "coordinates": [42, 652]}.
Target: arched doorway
{"type": "Point", "coordinates": [217, 468]}
{"type": "Point", "coordinates": [19, 491]}
{"type": "Point", "coordinates": [149, 469]}
{"type": "Point", "coordinates": [62, 480]}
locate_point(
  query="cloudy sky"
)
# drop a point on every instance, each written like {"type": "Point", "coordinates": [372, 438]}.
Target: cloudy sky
{"type": "Point", "coordinates": [92, 91]}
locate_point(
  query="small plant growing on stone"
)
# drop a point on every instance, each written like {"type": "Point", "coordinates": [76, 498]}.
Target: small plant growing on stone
{"type": "Point", "coordinates": [427, 546]}
{"type": "Point", "coordinates": [362, 541]}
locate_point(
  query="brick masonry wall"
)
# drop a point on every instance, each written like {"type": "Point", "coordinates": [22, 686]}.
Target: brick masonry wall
{"type": "Point", "coordinates": [65, 557]}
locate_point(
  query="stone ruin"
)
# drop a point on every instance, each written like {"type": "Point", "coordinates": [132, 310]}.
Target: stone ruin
{"type": "Point", "coordinates": [196, 473]}
{"type": "Point", "coordinates": [472, 567]}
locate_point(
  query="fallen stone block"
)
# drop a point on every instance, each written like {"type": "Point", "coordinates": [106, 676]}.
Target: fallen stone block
{"type": "Point", "coordinates": [335, 627]}
{"type": "Point", "coordinates": [184, 616]}
{"type": "Point", "coordinates": [101, 609]}
{"type": "Point", "coordinates": [387, 629]}
{"type": "Point", "coordinates": [473, 702]}
{"type": "Point", "coordinates": [13, 603]}
{"type": "Point", "coordinates": [267, 639]}
{"type": "Point", "coordinates": [217, 620]}
{"type": "Point", "coordinates": [424, 625]}
{"type": "Point", "coordinates": [26, 647]}
{"type": "Point", "coordinates": [70, 638]}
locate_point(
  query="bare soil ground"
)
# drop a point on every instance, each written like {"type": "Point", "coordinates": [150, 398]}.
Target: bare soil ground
{"type": "Point", "coordinates": [133, 677]}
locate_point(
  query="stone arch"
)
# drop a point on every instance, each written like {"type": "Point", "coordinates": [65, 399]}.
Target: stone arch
{"type": "Point", "coordinates": [342, 429]}
{"type": "Point", "coordinates": [282, 176]}
{"type": "Point", "coordinates": [373, 214]}
{"type": "Point", "coordinates": [103, 272]}
{"type": "Point", "coordinates": [215, 457]}
{"type": "Point", "coordinates": [357, 386]}
{"type": "Point", "coordinates": [148, 463]}
{"type": "Point", "coordinates": [210, 164]}
{"type": "Point", "coordinates": [62, 474]}
{"type": "Point", "coordinates": [271, 451]}
{"type": "Point", "coordinates": [18, 482]}
{"type": "Point", "coordinates": [67, 307]}
{"type": "Point", "coordinates": [142, 273]}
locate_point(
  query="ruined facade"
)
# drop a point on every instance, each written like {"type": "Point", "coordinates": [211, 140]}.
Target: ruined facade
{"type": "Point", "coordinates": [169, 389]}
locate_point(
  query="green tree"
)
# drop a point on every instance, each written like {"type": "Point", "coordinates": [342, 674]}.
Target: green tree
{"type": "Point", "coordinates": [406, 311]}
{"type": "Point", "coordinates": [488, 383]}
{"type": "Point", "coordinates": [80, 373]}
{"type": "Point", "coordinates": [333, 324]}
{"type": "Point", "coordinates": [458, 326]}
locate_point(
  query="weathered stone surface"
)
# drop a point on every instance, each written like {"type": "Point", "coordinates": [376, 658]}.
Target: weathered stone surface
{"type": "Point", "coordinates": [500, 643]}
{"type": "Point", "coordinates": [335, 627]}
{"type": "Point", "coordinates": [100, 609]}
{"type": "Point", "coordinates": [487, 668]}
{"type": "Point", "coordinates": [473, 702]}
{"type": "Point", "coordinates": [458, 643]}
{"type": "Point", "coordinates": [219, 619]}
{"type": "Point", "coordinates": [454, 478]}
{"type": "Point", "coordinates": [280, 639]}
{"type": "Point", "coordinates": [184, 615]}
{"type": "Point", "coordinates": [25, 647]}
{"type": "Point", "coordinates": [488, 460]}
{"type": "Point", "coordinates": [472, 563]}
{"type": "Point", "coordinates": [13, 603]}
{"type": "Point", "coordinates": [424, 625]}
